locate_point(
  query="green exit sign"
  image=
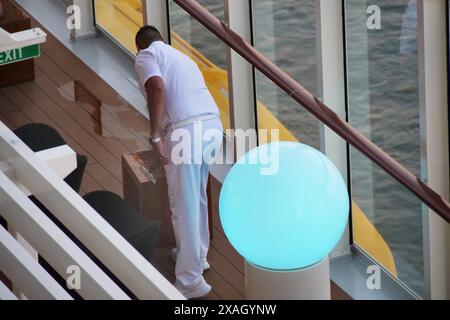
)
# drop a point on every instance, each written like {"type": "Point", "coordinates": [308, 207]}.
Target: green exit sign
{"type": "Point", "coordinates": [25, 53]}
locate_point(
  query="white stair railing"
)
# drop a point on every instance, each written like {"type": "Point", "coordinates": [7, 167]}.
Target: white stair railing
{"type": "Point", "coordinates": [130, 267]}
{"type": "Point", "coordinates": [5, 293]}
{"type": "Point", "coordinates": [53, 245]}
{"type": "Point", "coordinates": [26, 273]}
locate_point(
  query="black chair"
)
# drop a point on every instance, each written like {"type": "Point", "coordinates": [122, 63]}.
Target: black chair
{"type": "Point", "coordinates": [141, 233]}
{"type": "Point", "coordinates": [39, 137]}
{"type": "Point", "coordinates": [3, 223]}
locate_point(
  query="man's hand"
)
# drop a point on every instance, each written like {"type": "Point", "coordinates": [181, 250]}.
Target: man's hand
{"type": "Point", "coordinates": [158, 148]}
{"type": "Point", "coordinates": [156, 103]}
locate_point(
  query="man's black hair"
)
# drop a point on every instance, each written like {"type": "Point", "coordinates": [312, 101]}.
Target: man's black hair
{"type": "Point", "coordinates": [146, 35]}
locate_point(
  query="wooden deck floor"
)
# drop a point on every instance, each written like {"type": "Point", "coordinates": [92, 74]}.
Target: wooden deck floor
{"type": "Point", "coordinates": [103, 127]}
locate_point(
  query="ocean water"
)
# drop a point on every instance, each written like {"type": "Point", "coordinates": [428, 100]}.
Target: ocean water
{"type": "Point", "coordinates": [383, 100]}
{"type": "Point", "coordinates": [384, 105]}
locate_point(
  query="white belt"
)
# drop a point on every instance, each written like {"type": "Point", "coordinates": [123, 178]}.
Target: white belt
{"type": "Point", "coordinates": [187, 122]}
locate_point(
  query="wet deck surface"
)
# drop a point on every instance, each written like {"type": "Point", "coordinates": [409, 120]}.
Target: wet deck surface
{"type": "Point", "coordinates": [98, 123]}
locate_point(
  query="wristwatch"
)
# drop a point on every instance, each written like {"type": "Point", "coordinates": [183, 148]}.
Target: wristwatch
{"type": "Point", "coordinates": [155, 140]}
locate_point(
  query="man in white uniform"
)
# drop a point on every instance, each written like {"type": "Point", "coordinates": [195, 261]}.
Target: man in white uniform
{"type": "Point", "coordinates": [178, 98]}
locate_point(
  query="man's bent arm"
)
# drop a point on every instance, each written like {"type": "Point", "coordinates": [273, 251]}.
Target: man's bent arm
{"type": "Point", "coordinates": [156, 103]}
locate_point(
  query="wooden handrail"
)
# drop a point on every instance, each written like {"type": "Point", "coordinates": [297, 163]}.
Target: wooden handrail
{"type": "Point", "coordinates": [317, 108]}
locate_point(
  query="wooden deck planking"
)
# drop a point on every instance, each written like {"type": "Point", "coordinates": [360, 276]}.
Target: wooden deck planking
{"type": "Point", "coordinates": [7, 122]}
{"type": "Point", "coordinates": [104, 178]}
{"type": "Point", "coordinates": [6, 105]}
{"type": "Point", "coordinates": [17, 118]}
{"type": "Point", "coordinates": [80, 116]}
{"type": "Point", "coordinates": [84, 138]}
{"type": "Point", "coordinates": [35, 114]}
{"type": "Point", "coordinates": [220, 285]}
{"type": "Point", "coordinates": [222, 245]}
{"type": "Point", "coordinates": [77, 70]}
{"type": "Point", "coordinates": [227, 270]}
{"type": "Point", "coordinates": [90, 103]}
{"type": "Point", "coordinates": [89, 184]}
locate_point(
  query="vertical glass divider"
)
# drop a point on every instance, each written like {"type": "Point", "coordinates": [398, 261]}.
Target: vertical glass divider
{"type": "Point", "coordinates": [156, 14]}
{"type": "Point", "coordinates": [240, 73]}
{"type": "Point", "coordinates": [87, 29]}
{"type": "Point", "coordinates": [434, 147]}
{"type": "Point", "coordinates": [331, 86]}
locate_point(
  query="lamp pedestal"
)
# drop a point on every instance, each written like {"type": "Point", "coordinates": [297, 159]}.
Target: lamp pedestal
{"type": "Point", "coordinates": [311, 283]}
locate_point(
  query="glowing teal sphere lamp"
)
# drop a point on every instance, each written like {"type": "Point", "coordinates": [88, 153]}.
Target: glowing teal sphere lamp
{"type": "Point", "coordinates": [284, 206]}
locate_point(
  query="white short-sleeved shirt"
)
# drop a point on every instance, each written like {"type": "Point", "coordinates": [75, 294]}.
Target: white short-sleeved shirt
{"type": "Point", "coordinates": [186, 93]}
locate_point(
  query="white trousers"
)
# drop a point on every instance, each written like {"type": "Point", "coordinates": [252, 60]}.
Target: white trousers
{"type": "Point", "coordinates": [187, 184]}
